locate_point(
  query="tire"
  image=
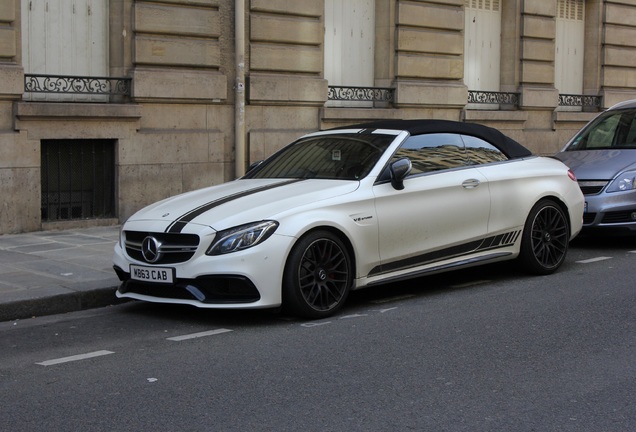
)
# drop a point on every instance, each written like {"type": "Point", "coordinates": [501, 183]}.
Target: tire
{"type": "Point", "coordinates": [545, 239]}
{"type": "Point", "coordinates": [318, 276]}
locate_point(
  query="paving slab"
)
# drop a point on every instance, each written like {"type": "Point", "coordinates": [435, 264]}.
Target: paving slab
{"type": "Point", "coordinates": [52, 272]}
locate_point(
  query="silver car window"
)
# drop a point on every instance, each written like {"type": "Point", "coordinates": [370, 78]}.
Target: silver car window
{"type": "Point", "coordinates": [614, 129]}
{"type": "Point", "coordinates": [433, 152]}
{"type": "Point", "coordinates": [479, 152]}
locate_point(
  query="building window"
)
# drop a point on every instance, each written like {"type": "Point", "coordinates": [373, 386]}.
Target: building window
{"type": "Point", "coordinates": [482, 47]}
{"type": "Point", "coordinates": [68, 38]}
{"type": "Point", "coordinates": [78, 179]}
{"type": "Point", "coordinates": [569, 45]}
{"type": "Point", "coordinates": [349, 45]}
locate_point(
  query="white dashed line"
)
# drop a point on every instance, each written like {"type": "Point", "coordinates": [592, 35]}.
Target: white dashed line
{"type": "Point", "coordinates": [198, 335]}
{"type": "Point", "coordinates": [315, 324]}
{"type": "Point", "coordinates": [591, 260]}
{"type": "Point", "coordinates": [75, 358]}
{"type": "Point", "coordinates": [470, 284]}
{"type": "Point", "coordinates": [392, 299]}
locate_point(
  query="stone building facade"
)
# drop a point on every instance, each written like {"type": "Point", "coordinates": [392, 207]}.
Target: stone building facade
{"type": "Point", "coordinates": [193, 91]}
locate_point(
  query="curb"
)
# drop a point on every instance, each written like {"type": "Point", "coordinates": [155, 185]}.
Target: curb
{"type": "Point", "coordinates": [59, 304]}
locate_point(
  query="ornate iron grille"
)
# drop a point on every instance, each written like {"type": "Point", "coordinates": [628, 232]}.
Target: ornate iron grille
{"type": "Point", "coordinates": [78, 179]}
{"type": "Point", "coordinates": [491, 97]}
{"type": "Point", "coordinates": [367, 94]}
{"type": "Point", "coordinates": [586, 101]}
{"type": "Point", "coordinates": [77, 84]}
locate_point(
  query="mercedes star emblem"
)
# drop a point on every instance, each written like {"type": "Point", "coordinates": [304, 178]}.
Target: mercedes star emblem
{"type": "Point", "coordinates": [150, 249]}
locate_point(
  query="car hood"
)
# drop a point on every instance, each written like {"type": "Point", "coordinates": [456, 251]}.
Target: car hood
{"type": "Point", "coordinates": [237, 202]}
{"type": "Point", "coordinates": [598, 164]}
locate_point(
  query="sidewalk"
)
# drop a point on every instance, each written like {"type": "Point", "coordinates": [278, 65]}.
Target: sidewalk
{"type": "Point", "coordinates": [50, 272]}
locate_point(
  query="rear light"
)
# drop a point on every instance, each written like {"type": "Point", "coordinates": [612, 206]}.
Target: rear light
{"type": "Point", "coordinates": [571, 175]}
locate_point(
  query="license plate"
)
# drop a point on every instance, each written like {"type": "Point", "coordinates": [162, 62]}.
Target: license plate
{"type": "Point", "coordinates": [152, 274]}
{"type": "Point", "coordinates": [585, 208]}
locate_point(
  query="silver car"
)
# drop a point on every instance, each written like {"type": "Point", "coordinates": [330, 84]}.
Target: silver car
{"type": "Point", "coordinates": [603, 158]}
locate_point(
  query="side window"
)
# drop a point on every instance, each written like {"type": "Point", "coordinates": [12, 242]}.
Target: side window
{"type": "Point", "coordinates": [628, 138]}
{"type": "Point", "coordinates": [433, 152]}
{"type": "Point", "coordinates": [479, 152]}
{"type": "Point", "coordinates": [601, 134]}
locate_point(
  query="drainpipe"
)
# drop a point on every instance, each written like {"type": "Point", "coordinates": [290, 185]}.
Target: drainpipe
{"type": "Point", "coordinates": [239, 88]}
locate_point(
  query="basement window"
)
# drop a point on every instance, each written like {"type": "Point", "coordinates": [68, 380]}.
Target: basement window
{"type": "Point", "coordinates": [78, 179]}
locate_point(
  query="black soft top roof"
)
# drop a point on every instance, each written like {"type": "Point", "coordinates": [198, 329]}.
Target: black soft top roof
{"type": "Point", "coordinates": [507, 145]}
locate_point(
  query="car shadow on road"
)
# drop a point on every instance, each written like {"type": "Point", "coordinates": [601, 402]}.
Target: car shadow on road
{"type": "Point", "coordinates": [388, 293]}
{"type": "Point", "coordinates": [604, 241]}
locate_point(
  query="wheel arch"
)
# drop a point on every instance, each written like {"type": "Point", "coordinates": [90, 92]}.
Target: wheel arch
{"type": "Point", "coordinates": [562, 205]}
{"type": "Point", "coordinates": [337, 232]}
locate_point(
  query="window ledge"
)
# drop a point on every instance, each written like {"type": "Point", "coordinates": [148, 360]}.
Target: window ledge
{"type": "Point", "coordinates": [66, 110]}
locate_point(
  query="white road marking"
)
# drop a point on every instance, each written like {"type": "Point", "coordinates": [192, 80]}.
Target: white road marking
{"type": "Point", "coordinates": [353, 316]}
{"type": "Point", "coordinates": [591, 260]}
{"type": "Point", "coordinates": [391, 299]}
{"type": "Point", "coordinates": [471, 283]}
{"type": "Point", "coordinates": [315, 324]}
{"type": "Point", "coordinates": [385, 310]}
{"type": "Point", "coordinates": [198, 335]}
{"type": "Point", "coordinates": [75, 358]}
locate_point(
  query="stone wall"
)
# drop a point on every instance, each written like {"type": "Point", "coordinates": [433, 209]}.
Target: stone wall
{"type": "Point", "coordinates": [176, 132]}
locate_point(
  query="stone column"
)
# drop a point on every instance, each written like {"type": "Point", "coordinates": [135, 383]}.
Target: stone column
{"type": "Point", "coordinates": [429, 69]}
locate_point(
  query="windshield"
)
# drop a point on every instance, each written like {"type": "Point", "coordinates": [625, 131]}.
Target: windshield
{"type": "Point", "coordinates": [612, 130]}
{"type": "Point", "coordinates": [337, 156]}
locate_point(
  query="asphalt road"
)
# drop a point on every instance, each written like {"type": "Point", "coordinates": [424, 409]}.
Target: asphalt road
{"type": "Point", "coordinates": [485, 349]}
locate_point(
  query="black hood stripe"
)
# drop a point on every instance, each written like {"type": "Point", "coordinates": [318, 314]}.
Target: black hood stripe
{"type": "Point", "coordinates": [178, 225]}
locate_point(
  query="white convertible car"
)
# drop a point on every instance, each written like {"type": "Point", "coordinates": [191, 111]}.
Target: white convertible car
{"type": "Point", "coordinates": [352, 207]}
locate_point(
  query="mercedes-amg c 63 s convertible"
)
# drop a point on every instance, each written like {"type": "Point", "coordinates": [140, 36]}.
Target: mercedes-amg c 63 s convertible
{"type": "Point", "coordinates": [351, 207]}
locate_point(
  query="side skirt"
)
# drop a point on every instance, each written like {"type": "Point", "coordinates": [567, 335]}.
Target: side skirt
{"type": "Point", "coordinates": [441, 268]}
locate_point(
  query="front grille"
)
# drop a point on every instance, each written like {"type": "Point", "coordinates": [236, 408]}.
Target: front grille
{"type": "Point", "coordinates": [619, 217]}
{"type": "Point", "coordinates": [174, 247]}
{"type": "Point", "coordinates": [592, 187]}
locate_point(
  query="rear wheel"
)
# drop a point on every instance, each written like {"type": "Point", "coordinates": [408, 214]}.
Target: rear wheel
{"type": "Point", "coordinates": [545, 240]}
{"type": "Point", "coordinates": [318, 276]}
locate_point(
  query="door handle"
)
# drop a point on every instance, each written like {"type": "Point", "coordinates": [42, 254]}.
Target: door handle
{"type": "Point", "coordinates": [470, 183]}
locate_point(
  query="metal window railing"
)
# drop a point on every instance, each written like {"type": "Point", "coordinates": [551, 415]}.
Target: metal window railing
{"type": "Point", "coordinates": [361, 94]}
{"type": "Point", "coordinates": [585, 101]}
{"type": "Point", "coordinates": [493, 97]}
{"type": "Point", "coordinates": [66, 84]}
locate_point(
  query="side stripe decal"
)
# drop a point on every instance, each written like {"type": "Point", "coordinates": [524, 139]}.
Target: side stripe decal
{"type": "Point", "coordinates": [178, 225]}
{"type": "Point", "coordinates": [488, 243]}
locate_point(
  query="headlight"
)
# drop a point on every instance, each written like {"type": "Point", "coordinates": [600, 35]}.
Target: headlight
{"type": "Point", "coordinates": [624, 182]}
{"type": "Point", "coordinates": [241, 237]}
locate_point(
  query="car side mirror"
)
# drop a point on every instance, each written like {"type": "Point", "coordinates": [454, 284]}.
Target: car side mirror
{"type": "Point", "coordinates": [399, 170]}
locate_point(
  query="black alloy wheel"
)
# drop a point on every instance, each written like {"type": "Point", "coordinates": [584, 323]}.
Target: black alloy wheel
{"type": "Point", "coordinates": [546, 236]}
{"type": "Point", "coordinates": [318, 276]}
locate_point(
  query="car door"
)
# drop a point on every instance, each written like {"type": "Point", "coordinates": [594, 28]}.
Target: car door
{"type": "Point", "coordinates": [508, 205]}
{"type": "Point", "coordinates": [443, 207]}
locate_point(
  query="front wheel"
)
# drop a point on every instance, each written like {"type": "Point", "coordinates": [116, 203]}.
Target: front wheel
{"type": "Point", "coordinates": [545, 240]}
{"type": "Point", "coordinates": [318, 276]}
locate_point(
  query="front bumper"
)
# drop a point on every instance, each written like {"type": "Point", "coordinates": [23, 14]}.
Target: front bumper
{"type": "Point", "coordinates": [205, 289]}
{"type": "Point", "coordinates": [610, 211]}
{"type": "Point", "coordinates": [248, 279]}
